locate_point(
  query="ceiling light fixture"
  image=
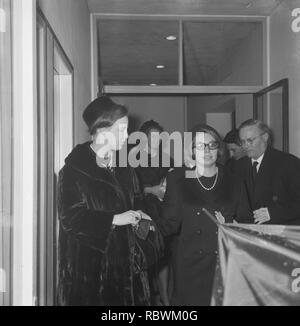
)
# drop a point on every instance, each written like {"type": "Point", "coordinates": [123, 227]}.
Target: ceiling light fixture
{"type": "Point", "coordinates": [160, 66]}
{"type": "Point", "coordinates": [171, 38]}
{"type": "Point", "coordinates": [153, 84]}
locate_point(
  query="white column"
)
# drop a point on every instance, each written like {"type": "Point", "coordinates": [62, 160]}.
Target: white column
{"type": "Point", "coordinates": [24, 97]}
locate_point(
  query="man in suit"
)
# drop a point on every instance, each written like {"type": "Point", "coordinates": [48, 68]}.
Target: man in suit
{"type": "Point", "coordinates": [271, 177]}
{"type": "Point", "coordinates": [235, 150]}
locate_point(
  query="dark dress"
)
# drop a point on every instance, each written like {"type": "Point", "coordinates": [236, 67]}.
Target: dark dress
{"type": "Point", "coordinates": [148, 177]}
{"type": "Point", "coordinates": [152, 176]}
{"type": "Point", "coordinates": [195, 257]}
{"type": "Point", "coordinates": [100, 264]}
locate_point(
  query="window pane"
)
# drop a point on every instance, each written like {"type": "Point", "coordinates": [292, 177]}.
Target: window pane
{"type": "Point", "coordinates": [223, 53]}
{"type": "Point", "coordinates": [5, 151]}
{"type": "Point", "coordinates": [130, 50]}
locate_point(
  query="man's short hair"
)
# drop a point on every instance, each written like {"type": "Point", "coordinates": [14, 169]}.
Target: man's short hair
{"type": "Point", "coordinates": [263, 127]}
{"type": "Point", "coordinates": [232, 137]}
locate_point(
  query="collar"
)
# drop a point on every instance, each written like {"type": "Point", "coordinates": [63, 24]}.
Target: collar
{"type": "Point", "coordinates": [103, 162]}
{"type": "Point", "coordinates": [84, 159]}
{"type": "Point", "coordinates": [259, 160]}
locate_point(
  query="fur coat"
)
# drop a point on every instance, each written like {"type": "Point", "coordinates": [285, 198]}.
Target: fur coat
{"type": "Point", "coordinates": [101, 264]}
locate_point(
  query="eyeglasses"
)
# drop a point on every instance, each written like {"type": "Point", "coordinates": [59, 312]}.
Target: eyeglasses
{"type": "Point", "coordinates": [211, 146]}
{"type": "Point", "coordinates": [250, 141]}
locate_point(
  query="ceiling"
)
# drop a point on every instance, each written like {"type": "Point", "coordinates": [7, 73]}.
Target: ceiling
{"type": "Point", "coordinates": [184, 7]}
{"type": "Point", "coordinates": [130, 50]}
{"type": "Point", "coordinates": [131, 47]}
{"type": "Point", "coordinates": [210, 47]}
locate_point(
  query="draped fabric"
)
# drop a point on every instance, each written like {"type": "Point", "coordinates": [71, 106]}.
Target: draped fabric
{"type": "Point", "coordinates": [258, 265]}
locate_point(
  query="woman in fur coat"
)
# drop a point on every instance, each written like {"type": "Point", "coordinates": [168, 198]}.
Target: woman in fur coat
{"type": "Point", "coordinates": [103, 259]}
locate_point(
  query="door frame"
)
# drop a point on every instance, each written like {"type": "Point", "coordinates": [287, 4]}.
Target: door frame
{"type": "Point", "coordinates": [46, 203]}
{"type": "Point", "coordinates": [284, 84]}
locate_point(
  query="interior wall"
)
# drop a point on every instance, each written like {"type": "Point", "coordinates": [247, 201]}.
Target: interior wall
{"type": "Point", "coordinates": [222, 122]}
{"type": "Point", "coordinates": [285, 63]}
{"type": "Point", "coordinates": [195, 112]}
{"type": "Point", "coordinates": [70, 20]}
{"type": "Point", "coordinates": [246, 60]}
{"type": "Point", "coordinates": [168, 111]}
{"type": "Point", "coordinates": [276, 119]}
{"type": "Point", "coordinates": [243, 108]}
{"type": "Point", "coordinates": [198, 106]}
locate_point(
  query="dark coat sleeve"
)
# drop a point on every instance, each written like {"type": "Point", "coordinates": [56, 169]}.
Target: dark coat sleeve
{"type": "Point", "coordinates": [289, 209]}
{"type": "Point", "coordinates": [91, 227]}
{"type": "Point", "coordinates": [171, 219]}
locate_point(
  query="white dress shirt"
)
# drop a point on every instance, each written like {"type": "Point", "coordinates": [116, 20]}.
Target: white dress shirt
{"type": "Point", "coordinates": [259, 160]}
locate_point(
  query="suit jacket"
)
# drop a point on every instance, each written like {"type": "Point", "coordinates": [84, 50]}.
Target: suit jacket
{"type": "Point", "coordinates": [277, 186]}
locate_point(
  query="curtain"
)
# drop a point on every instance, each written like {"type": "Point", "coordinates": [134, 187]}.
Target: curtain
{"type": "Point", "coordinates": [5, 151]}
{"type": "Point", "coordinates": [258, 265]}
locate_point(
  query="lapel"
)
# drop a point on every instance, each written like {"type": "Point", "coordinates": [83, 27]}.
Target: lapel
{"type": "Point", "coordinates": [249, 178]}
{"type": "Point", "coordinates": [264, 174]}
{"type": "Point", "coordinates": [256, 192]}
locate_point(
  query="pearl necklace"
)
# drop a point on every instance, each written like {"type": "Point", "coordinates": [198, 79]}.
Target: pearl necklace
{"type": "Point", "coordinates": [214, 184]}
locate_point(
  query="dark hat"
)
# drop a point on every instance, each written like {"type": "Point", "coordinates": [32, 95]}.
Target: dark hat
{"type": "Point", "coordinates": [96, 109]}
{"type": "Point", "coordinates": [102, 112]}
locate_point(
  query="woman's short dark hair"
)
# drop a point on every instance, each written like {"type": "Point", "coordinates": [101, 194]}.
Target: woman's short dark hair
{"type": "Point", "coordinates": [189, 148]}
{"type": "Point", "coordinates": [103, 113]}
{"type": "Point", "coordinates": [150, 125]}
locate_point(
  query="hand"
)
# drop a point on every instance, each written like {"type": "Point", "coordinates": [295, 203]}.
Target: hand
{"type": "Point", "coordinates": [220, 217]}
{"type": "Point", "coordinates": [261, 215]}
{"type": "Point", "coordinates": [158, 191]}
{"type": "Point", "coordinates": [129, 217]}
{"type": "Point", "coordinates": [144, 216]}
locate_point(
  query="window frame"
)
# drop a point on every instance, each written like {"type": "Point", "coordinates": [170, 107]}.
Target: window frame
{"type": "Point", "coordinates": [180, 89]}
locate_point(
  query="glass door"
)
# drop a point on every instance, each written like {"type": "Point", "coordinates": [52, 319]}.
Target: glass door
{"type": "Point", "coordinates": [271, 105]}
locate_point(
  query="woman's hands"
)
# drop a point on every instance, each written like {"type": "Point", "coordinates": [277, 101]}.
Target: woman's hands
{"type": "Point", "coordinates": [221, 218]}
{"type": "Point", "coordinates": [158, 191]}
{"type": "Point", "coordinates": [130, 217]}
{"type": "Point", "coordinates": [145, 216]}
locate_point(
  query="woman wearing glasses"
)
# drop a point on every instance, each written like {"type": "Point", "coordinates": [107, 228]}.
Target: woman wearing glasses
{"type": "Point", "coordinates": [202, 184]}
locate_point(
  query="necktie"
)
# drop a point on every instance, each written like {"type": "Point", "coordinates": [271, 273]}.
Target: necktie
{"type": "Point", "coordinates": [254, 171]}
